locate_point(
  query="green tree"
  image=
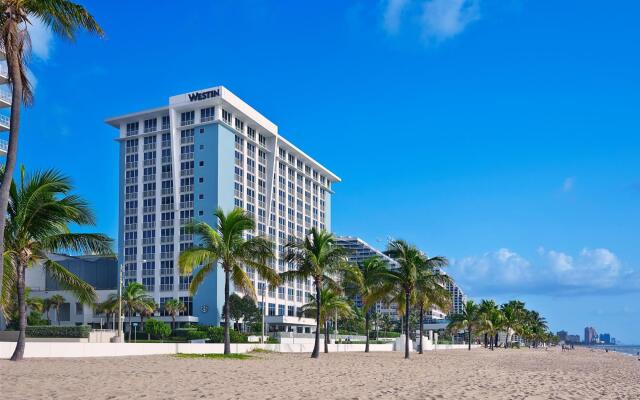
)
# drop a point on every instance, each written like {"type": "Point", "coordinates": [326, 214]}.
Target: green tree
{"type": "Point", "coordinates": [468, 319]}
{"type": "Point", "coordinates": [174, 307]}
{"type": "Point", "coordinates": [405, 278]}
{"type": "Point", "coordinates": [331, 303]}
{"type": "Point", "coordinates": [41, 208]}
{"type": "Point", "coordinates": [317, 257]}
{"type": "Point", "coordinates": [513, 313]}
{"type": "Point", "coordinates": [46, 307]}
{"type": "Point", "coordinates": [387, 323]}
{"type": "Point", "coordinates": [135, 300]}
{"type": "Point", "coordinates": [491, 321]}
{"type": "Point", "coordinates": [57, 300]}
{"type": "Point", "coordinates": [376, 318]}
{"type": "Point", "coordinates": [431, 290]}
{"type": "Point", "coordinates": [65, 19]}
{"type": "Point", "coordinates": [228, 247]}
{"type": "Point", "coordinates": [157, 329]}
{"type": "Point", "coordinates": [109, 308]}
{"type": "Point", "coordinates": [371, 281]}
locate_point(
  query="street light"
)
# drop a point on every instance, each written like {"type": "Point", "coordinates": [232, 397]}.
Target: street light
{"type": "Point", "coordinates": [120, 328]}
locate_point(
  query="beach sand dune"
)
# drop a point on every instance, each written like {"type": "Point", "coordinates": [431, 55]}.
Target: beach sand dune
{"type": "Point", "coordinates": [479, 374]}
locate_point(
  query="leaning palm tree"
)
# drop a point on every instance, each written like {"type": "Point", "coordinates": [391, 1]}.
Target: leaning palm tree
{"type": "Point", "coordinates": [227, 246]}
{"type": "Point", "coordinates": [405, 277]}
{"type": "Point", "coordinates": [135, 300]}
{"type": "Point", "coordinates": [371, 281]}
{"type": "Point", "coordinates": [57, 300]}
{"type": "Point", "coordinates": [65, 19]}
{"type": "Point", "coordinates": [468, 319]}
{"type": "Point", "coordinates": [41, 208]}
{"type": "Point", "coordinates": [431, 290]}
{"type": "Point", "coordinates": [317, 257]}
{"type": "Point", "coordinates": [173, 307]}
{"type": "Point", "coordinates": [331, 303]}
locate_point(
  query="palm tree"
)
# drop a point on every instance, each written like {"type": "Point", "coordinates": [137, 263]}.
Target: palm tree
{"type": "Point", "coordinates": [491, 321]}
{"type": "Point", "coordinates": [228, 247]}
{"type": "Point", "coordinates": [46, 306]}
{"type": "Point", "coordinates": [318, 257]}
{"type": "Point", "coordinates": [468, 319]}
{"type": "Point", "coordinates": [410, 261]}
{"type": "Point", "coordinates": [57, 301]}
{"type": "Point", "coordinates": [513, 313]}
{"type": "Point", "coordinates": [173, 307]}
{"type": "Point", "coordinates": [331, 303]}
{"type": "Point", "coordinates": [371, 281]}
{"type": "Point", "coordinates": [376, 317]}
{"type": "Point", "coordinates": [135, 299]}
{"type": "Point", "coordinates": [65, 19]}
{"type": "Point", "coordinates": [108, 307]}
{"type": "Point", "coordinates": [431, 290]}
{"type": "Point", "coordinates": [40, 211]}
{"type": "Point", "coordinates": [534, 326]}
{"type": "Point", "coordinates": [147, 310]}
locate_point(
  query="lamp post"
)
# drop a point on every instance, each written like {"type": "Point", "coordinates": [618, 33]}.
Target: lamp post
{"type": "Point", "coordinates": [120, 325]}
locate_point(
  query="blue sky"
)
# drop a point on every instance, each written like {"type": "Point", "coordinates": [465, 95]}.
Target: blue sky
{"type": "Point", "coordinates": [502, 134]}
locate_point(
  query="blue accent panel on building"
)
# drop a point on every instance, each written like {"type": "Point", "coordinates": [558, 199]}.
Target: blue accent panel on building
{"type": "Point", "coordinates": [327, 212]}
{"type": "Point", "coordinates": [214, 147]}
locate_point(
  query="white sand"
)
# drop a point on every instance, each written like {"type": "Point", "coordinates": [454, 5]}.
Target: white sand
{"type": "Point", "coordinates": [459, 374]}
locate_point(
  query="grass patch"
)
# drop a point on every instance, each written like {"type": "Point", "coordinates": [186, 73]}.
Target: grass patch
{"type": "Point", "coordinates": [262, 351]}
{"type": "Point", "coordinates": [215, 356]}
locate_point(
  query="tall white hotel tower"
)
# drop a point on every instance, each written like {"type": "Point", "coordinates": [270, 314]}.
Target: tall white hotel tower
{"type": "Point", "coordinates": [210, 149]}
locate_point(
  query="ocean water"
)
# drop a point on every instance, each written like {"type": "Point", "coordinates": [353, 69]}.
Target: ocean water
{"type": "Point", "coordinates": [633, 349]}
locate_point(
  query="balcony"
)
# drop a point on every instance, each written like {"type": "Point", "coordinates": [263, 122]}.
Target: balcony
{"type": "Point", "coordinates": [166, 223]}
{"type": "Point", "coordinates": [4, 123]}
{"type": "Point", "coordinates": [4, 145]}
{"type": "Point", "coordinates": [166, 271]}
{"type": "Point", "coordinates": [166, 287]}
{"type": "Point", "coordinates": [4, 75]}
{"type": "Point", "coordinates": [148, 272]}
{"type": "Point", "coordinates": [5, 99]}
{"type": "Point", "coordinates": [186, 139]}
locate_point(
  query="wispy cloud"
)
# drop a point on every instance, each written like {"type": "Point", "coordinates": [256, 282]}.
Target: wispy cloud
{"type": "Point", "coordinates": [41, 39]}
{"type": "Point", "coordinates": [444, 19]}
{"type": "Point", "coordinates": [437, 20]}
{"type": "Point", "coordinates": [550, 272]}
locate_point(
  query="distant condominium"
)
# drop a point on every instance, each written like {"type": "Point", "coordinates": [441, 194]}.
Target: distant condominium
{"type": "Point", "coordinates": [5, 103]}
{"type": "Point", "coordinates": [590, 335]}
{"type": "Point", "coordinates": [209, 149]}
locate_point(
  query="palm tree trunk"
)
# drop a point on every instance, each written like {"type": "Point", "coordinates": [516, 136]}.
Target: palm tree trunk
{"type": "Point", "coordinates": [469, 338]}
{"type": "Point", "coordinates": [421, 327]}
{"type": "Point", "coordinates": [407, 298]}
{"type": "Point", "coordinates": [486, 343]}
{"type": "Point", "coordinates": [15, 75]}
{"type": "Point", "coordinates": [173, 322]}
{"type": "Point", "coordinates": [366, 328]}
{"type": "Point", "coordinates": [227, 339]}
{"type": "Point", "coordinates": [129, 318]}
{"type": "Point", "coordinates": [326, 336]}
{"type": "Point", "coordinates": [316, 347]}
{"type": "Point", "coordinates": [495, 342]}
{"type": "Point", "coordinates": [506, 338]}
{"type": "Point", "coordinates": [18, 353]}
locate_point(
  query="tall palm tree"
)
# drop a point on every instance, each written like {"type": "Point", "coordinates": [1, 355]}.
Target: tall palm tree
{"type": "Point", "coordinates": [65, 19]}
{"type": "Point", "coordinates": [135, 300]}
{"type": "Point", "coordinates": [431, 290]}
{"type": "Point", "coordinates": [387, 323]}
{"type": "Point", "coordinates": [486, 306]}
{"type": "Point", "coordinates": [468, 319]}
{"type": "Point", "coordinates": [331, 303]}
{"type": "Point", "coordinates": [317, 257]}
{"type": "Point", "coordinates": [41, 208]}
{"type": "Point", "coordinates": [173, 307]}
{"type": "Point", "coordinates": [371, 281]}
{"type": "Point", "coordinates": [491, 321]}
{"type": "Point", "coordinates": [410, 261]}
{"type": "Point", "coordinates": [376, 318]}
{"type": "Point", "coordinates": [513, 313]}
{"type": "Point", "coordinates": [46, 306]}
{"type": "Point", "coordinates": [57, 300]}
{"type": "Point", "coordinates": [226, 246]}
{"type": "Point", "coordinates": [534, 326]}
{"type": "Point", "coordinates": [147, 310]}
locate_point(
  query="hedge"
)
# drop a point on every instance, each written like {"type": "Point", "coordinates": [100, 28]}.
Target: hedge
{"type": "Point", "coordinates": [59, 331]}
{"type": "Point", "coordinates": [215, 334]}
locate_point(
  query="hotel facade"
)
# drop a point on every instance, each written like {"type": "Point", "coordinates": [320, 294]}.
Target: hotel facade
{"type": "Point", "coordinates": [209, 149]}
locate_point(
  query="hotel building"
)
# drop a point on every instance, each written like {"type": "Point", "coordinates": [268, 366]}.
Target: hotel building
{"type": "Point", "coordinates": [209, 149]}
{"type": "Point", "coordinates": [5, 101]}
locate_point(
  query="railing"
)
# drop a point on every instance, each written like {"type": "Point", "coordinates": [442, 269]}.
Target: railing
{"type": "Point", "coordinates": [186, 139]}
{"type": "Point", "coordinates": [166, 223]}
{"type": "Point", "coordinates": [166, 287]}
{"type": "Point", "coordinates": [166, 271]}
{"type": "Point", "coordinates": [148, 272]}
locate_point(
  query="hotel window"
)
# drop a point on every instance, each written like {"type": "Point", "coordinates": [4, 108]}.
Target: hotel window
{"type": "Point", "coordinates": [291, 311]}
{"type": "Point", "coordinates": [150, 125]}
{"type": "Point", "coordinates": [226, 116]}
{"type": "Point", "coordinates": [272, 309]}
{"type": "Point", "coordinates": [149, 284]}
{"type": "Point", "coordinates": [281, 309]}
{"type": "Point", "coordinates": [207, 114]}
{"type": "Point", "coordinates": [186, 136]}
{"type": "Point", "coordinates": [262, 140]}
{"type": "Point", "coordinates": [132, 145]}
{"type": "Point", "coordinates": [239, 125]}
{"type": "Point", "coordinates": [281, 292]}
{"type": "Point", "coordinates": [165, 123]}
{"type": "Point", "coordinates": [166, 283]}
{"type": "Point", "coordinates": [132, 128]}
{"type": "Point", "coordinates": [148, 268]}
{"type": "Point", "coordinates": [251, 132]}
{"type": "Point", "coordinates": [187, 118]}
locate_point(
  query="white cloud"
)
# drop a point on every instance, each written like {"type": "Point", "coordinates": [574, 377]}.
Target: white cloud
{"type": "Point", "coordinates": [41, 39]}
{"type": "Point", "coordinates": [554, 272]}
{"type": "Point", "coordinates": [444, 19]}
{"type": "Point", "coordinates": [568, 184]}
{"type": "Point", "coordinates": [393, 14]}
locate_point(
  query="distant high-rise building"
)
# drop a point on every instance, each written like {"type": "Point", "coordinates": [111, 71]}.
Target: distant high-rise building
{"type": "Point", "coordinates": [590, 335]}
{"type": "Point", "coordinates": [573, 339]}
{"type": "Point", "coordinates": [605, 338]}
{"type": "Point", "coordinates": [562, 336]}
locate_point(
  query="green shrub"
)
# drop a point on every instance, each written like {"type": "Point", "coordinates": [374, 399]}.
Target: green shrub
{"type": "Point", "coordinates": [389, 334]}
{"type": "Point", "coordinates": [183, 332]}
{"type": "Point", "coordinates": [197, 335]}
{"type": "Point", "coordinates": [35, 319]}
{"type": "Point", "coordinates": [157, 329]}
{"type": "Point", "coordinates": [216, 334]}
{"type": "Point", "coordinates": [59, 331]}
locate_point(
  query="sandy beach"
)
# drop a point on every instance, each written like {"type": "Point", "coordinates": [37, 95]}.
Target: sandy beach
{"type": "Point", "coordinates": [479, 374]}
